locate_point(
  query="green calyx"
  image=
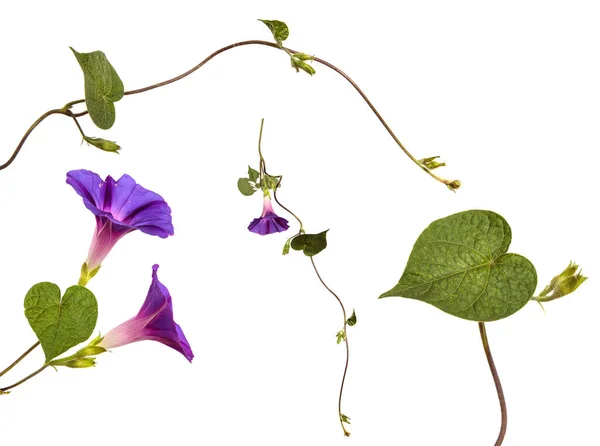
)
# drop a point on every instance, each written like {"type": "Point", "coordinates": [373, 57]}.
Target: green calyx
{"type": "Point", "coordinates": [86, 275]}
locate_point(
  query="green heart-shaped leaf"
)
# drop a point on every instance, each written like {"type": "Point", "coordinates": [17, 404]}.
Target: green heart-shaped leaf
{"type": "Point", "coordinates": [459, 264]}
{"type": "Point", "coordinates": [60, 323]}
{"type": "Point", "coordinates": [310, 244]}
{"type": "Point", "coordinates": [103, 87]}
{"type": "Point", "coordinates": [245, 187]}
{"type": "Point", "coordinates": [279, 29]}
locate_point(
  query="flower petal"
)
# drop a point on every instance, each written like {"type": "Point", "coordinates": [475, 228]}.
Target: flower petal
{"type": "Point", "coordinates": [89, 186]}
{"type": "Point", "coordinates": [158, 296]}
{"type": "Point", "coordinates": [136, 206]}
{"type": "Point", "coordinates": [124, 202]}
{"type": "Point", "coordinates": [268, 225]}
{"type": "Point", "coordinates": [280, 223]}
{"type": "Point", "coordinates": [185, 345]}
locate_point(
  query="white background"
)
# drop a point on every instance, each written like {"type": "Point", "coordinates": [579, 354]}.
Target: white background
{"type": "Point", "coordinates": [507, 93]}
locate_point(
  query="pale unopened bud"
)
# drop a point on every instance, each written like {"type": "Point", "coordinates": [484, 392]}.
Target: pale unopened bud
{"type": "Point", "coordinates": [431, 163]}
{"type": "Point", "coordinates": [301, 65]}
{"type": "Point", "coordinates": [565, 283]}
{"type": "Point", "coordinates": [80, 363]}
{"type": "Point", "coordinates": [453, 185]}
{"type": "Point", "coordinates": [103, 144]}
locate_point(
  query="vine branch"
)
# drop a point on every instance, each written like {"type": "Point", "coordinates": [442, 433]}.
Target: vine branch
{"type": "Point", "coordinates": [312, 260]}
{"type": "Point", "coordinates": [28, 132]}
{"type": "Point", "coordinates": [263, 169]}
{"type": "Point", "coordinates": [66, 109]}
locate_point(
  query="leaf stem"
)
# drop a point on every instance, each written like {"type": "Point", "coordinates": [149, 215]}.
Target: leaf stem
{"type": "Point", "coordinates": [68, 105]}
{"type": "Point", "coordinates": [19, 359]}
{"type": "Point", "coordinates": [312, 260]}
{"type": "Point", "coordinates": [261, 167]}
{"type": "Point", "coordinates": [28, 377]}
{"type": "Point", "coordinates": [77, 124]}
{"type": "Point", "coordinates": [490, 360]}
{"type": "Point", "coordinates": [65, 110]}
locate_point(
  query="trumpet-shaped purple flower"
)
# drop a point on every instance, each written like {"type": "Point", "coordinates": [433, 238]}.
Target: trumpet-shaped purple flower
{"type": "Point", "coordinates": [154, 322]}
{"type": "Point", "coordinates": [120, 207]}
{"type": "Point", "coordinates": [269, 222]}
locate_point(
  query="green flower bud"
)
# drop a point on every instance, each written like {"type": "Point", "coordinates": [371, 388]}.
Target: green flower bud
{"type": "Point", "coordinates": [301, 65]}
{"type": "Point", "coordinates": [303, 56]}
{"type": "Point", "coordinates": [80, 363]}
{"type": "Point", "coordinates": [453, 185]}
{"type": "Point", "coordinates": [103, 144]}
{"type": "Point", "coordinates": [430, 163]}
{"type": "Point", "coordinates": [565, 283]}
{"type": "Point", "coordinates": [286, 247]}
{"type": "Point", "coordinates": [90, 350]}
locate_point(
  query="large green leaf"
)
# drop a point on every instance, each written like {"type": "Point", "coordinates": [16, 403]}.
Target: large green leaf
{"type": "Point", "coordinates": [459, 264]}
{"type": "Point", "coordinates": [310, 244]}
{"type": "Point", "coordinates": [60, 323]}
{"type": "Point", "coordinates": [103, 87]}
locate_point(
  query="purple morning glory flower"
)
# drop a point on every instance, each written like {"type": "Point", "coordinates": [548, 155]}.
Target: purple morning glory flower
{"type": "Point", "coordinates": [269, 222]}
{"type": "Point", "coordinates": [120, 207]}
{"type": "Point", "coordinates": [154, 322]}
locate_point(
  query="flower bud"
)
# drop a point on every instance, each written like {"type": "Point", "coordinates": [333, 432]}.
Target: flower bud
{"type": "Point", "coordinates": [90, 350]}
{"type": "Point", "coordinates": [563, 284]}
{"type": "Point", "coordinates": [286, 247]}
{"type": "Point", "coordinates": [453, 185]}
{"type": "Point", "coordinates": [430, 163]}
{"type": "Point", "coordinates": [80, 363]}
{"type": "Point", "coordinates": [103, 144]}
{"type": "Point", "coordinates": [301, 65]}
{"type": "Point", "coordinates": [303, 56]}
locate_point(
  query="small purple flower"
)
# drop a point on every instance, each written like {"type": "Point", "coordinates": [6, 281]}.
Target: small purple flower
{"type": "Point", "coordinates": [154, 322]}
{"type": "Point", "coordinates": [120, 207]}
{"type": "Point", "coordinates": [269, 222]}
